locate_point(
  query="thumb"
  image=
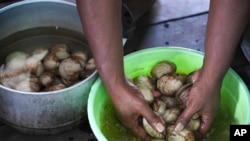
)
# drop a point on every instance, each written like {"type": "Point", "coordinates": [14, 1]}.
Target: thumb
{"type": "Point", "coordinates": [154, 120]}
{"type": "Point", "coordinates": [183, 119]}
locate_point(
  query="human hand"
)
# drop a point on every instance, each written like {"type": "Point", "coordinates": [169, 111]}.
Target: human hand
{"type": "Point", "coordinates": [204, 98]}
{"type": "Point", "coordinates": [130, 107]}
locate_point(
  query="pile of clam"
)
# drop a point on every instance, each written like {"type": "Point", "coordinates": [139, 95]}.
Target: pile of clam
{"type": "Point", "coordinates": [46, 69]}
{"type": "Point", "coordinates": [166, 91]}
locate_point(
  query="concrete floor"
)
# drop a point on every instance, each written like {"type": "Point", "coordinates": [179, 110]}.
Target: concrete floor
{"type": "Point", "coordinates": [168, 23]}
{"type": "Point", "coordinates": [171, 23]}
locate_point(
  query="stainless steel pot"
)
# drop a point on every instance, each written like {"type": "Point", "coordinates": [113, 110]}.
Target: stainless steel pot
{"type": "Point", "coordinates": [43, 112]}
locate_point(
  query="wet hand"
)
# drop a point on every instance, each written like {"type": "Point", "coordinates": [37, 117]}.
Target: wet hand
{"type": "Point", "coordinates": [130, 107]}
{"type": "Point", "coordinates": [203, 99]}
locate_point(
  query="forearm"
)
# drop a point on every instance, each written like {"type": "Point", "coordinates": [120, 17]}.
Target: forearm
{"type": "Point", "coordinates": [226, 23]}
{"type": "Point", "coordinates": [101, 22]}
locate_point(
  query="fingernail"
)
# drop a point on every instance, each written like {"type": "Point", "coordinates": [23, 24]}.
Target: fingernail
{"type": "Point", "coordinates": [178, 127]}
{"type": "Point", "coordinates": [160, 127]}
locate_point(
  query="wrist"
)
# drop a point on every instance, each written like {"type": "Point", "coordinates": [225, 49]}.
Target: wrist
{"type": "Point", "coordinates": [211, 79]}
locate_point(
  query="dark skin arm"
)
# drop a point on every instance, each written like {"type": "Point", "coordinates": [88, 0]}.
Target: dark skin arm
{"type": "Point", "coordinates": [102, 25]}
{"type": "Point", "coordinates": [226, 22]}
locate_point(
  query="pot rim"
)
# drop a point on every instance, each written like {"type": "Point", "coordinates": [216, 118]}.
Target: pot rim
{"type": "Point", "coordinates": [19, 3]}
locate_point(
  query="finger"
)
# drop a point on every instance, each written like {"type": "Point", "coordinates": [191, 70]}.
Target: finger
{"type": "Point", "coordinates": [153, 119]}
{"type": "Point", "coordinates": [156, 93]}
{"type": "Point", "coordinates": [206, 123]}
{"type": "Point", "coordinates": [183, 119]}
{"type": "Point", "coordinates": [135, 128]}
{"type": "Point", "coordinates": [140, 132]}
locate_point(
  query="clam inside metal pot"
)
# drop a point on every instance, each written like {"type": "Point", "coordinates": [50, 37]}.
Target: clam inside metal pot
{"type": "Point", "coordinates": [28, 27]}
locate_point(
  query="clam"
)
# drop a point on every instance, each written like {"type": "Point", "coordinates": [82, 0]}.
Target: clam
{"type": "Point", "coordinates": [182, 77]}
{"type": "Point", "coordinates": [144, 80]}
{"type": "Point", "coordinates": [18, 63]}
{"type": "Point", "coordinates": [162, 68]}
{"type": "Point", "coordinates": [38, 70]}
{"type": "Point", "coordinates": [39, 53]}
{"type": "Point", "coordinates": [90, 66]}
{"type": "Point", "coordinates": [194, 123]}
{"type": "Point", "coordinates": [26, 68]}
{"type": "Point", "coordinates": [16, 60]}
{"type": "Point", "coordinates": [46, 78]}
{"type": "Point", "coordinates": [159, 106]}
{"type": "Point", "coordinates": [158, 140]}
{"type": "Point", "coordinates": [182, 95]}
{"type": "Point", "coordinates": [169, 84]}
{"type": "Point", "coordinates": [82, 55]}
{"type": "Point", "coordinates": [146, 92]}
{"type": "Point", "coordinates": [50, 62]}
{"type": "Point", "coordinates": [171, 114]}
{"type": "Point", "coordinates": [146, 87]}
{"type": "Point", "coordinates": [60, 50]}
{"type": "Point", "coordinates": [69, 70]}
{"type": "Point", "coordinates": [55, 87]}
{"type": "Point", "coordinates": [151, 131]}
{"type": "Point", "coordinates": [11, 82]}
{"type": "Point", "coordinates": [169, 101]}
{"type": "Point", "coordinates": [183, 135]}
{"type": "Point", "coordinates": [30, 84]}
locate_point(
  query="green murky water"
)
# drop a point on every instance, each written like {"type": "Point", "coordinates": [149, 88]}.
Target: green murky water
{"type": "Point", "coordinates": [116, 132]}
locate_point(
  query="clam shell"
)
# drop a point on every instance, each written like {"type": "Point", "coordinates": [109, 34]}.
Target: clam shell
{"type": "Point", "coordinates": [162, 68]}
{"type": "Point", "coordinates": [145, 80]}
{"type": "Point", "coordinates": [146, 92]}
{"type": "Point", "coordinates": [151, 131]}
{"type": "Point", "coordinates": [171, 114]}
{"type": "Point", "coordinates": [184, 135]}
{"type": "Point", "coordinates": [182, 95]}
{"type": "Point", "coordinates": [169, 84]}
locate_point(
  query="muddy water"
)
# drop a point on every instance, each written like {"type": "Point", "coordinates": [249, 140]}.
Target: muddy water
{"type": "Point", "coordinates": [114, 131]}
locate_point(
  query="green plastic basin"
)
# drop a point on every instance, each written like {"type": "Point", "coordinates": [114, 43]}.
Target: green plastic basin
{"type": "Point", "coordinates": [235, 100]}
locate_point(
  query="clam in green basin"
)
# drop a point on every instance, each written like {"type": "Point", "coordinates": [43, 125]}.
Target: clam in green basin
{"type": "Point", "coordinates": [235, 100]}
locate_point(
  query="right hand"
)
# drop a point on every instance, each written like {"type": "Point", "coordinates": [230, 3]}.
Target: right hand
{"type": "Point", "coordinates": [204, 99]}
{"type": "Point", "coordinates": [130, 106]}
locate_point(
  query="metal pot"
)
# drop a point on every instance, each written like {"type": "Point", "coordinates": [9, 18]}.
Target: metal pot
{"type": "Point", "coordinates": [42, 112]}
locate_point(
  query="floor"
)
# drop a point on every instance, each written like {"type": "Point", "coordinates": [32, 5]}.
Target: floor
{"type": "Point", "coordinates": [168, 23]}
